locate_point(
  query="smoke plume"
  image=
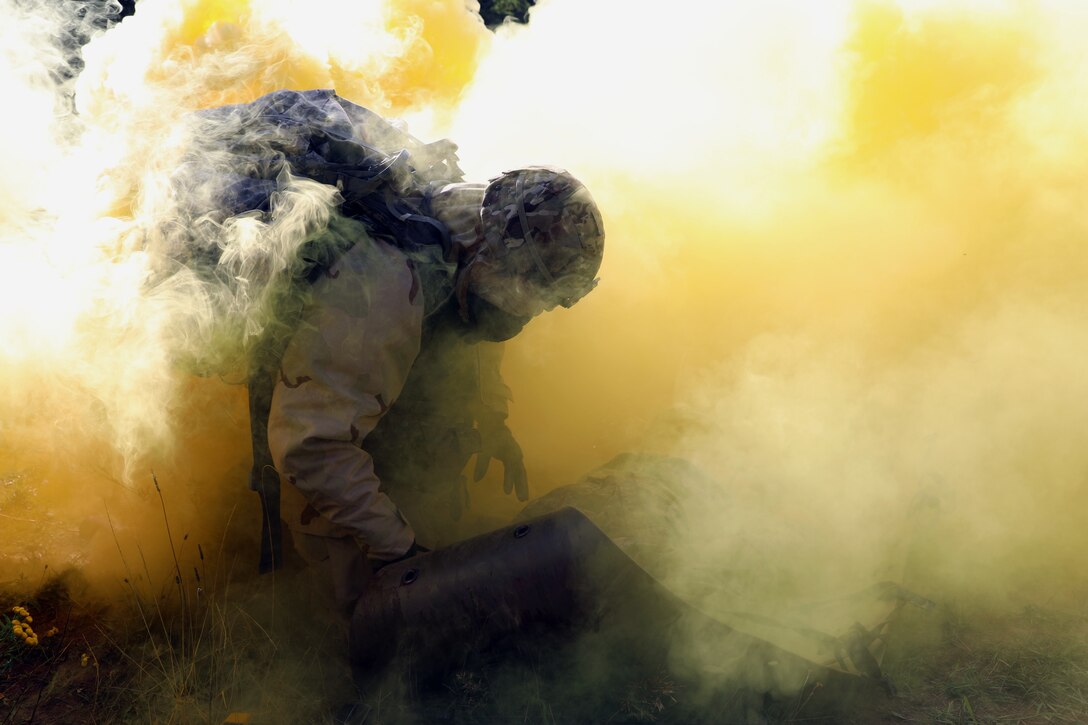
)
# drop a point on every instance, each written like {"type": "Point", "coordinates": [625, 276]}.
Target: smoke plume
{"type": "Point", "coordinates": [844, 271]}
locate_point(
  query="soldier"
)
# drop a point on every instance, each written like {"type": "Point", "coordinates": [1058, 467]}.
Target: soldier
{"type": "Point", "coordinates": [379, 402]}
{"type": "Point", "coordinates": [375, 376]}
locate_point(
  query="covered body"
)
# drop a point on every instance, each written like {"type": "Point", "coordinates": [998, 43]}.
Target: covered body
{"type": "Point", "coordinates": [561, 574]}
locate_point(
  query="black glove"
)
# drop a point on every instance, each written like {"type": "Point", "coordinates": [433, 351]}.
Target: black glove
{"type": "Point", "coordinates": [377, 565]}
{"type": "Point", "coordinates": [496, 441]}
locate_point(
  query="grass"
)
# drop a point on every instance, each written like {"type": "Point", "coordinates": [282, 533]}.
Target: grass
{"type": "Point", "coordinates": [191, 647]}
{"type": "Point", "coordinates": [207, 642]}
{"type": "Point", "coordinates": [33, 673]}
{"type": "Point", "coordinates": [967, 665]}
{"type": "Point", "coordinates": [151, 659]}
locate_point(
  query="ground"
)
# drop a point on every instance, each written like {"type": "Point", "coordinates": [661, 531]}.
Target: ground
{"type": "Point", "coordinates": [965, 665]}
{"type": "Point", "coordinates": [141, 661]}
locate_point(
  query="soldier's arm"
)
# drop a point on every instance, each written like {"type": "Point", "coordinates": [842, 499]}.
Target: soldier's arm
{"type": "Point", "coordinates": [341, 371]}
{"type": "Point", "coordinates": [495, 395]}
{"type": "Point", "coordinates": [496, 439]}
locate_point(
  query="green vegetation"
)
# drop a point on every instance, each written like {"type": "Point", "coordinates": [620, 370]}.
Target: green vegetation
{"type": "Point", "coordinates": [495, 11]}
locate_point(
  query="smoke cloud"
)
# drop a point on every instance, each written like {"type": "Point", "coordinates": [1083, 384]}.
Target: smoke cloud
{"type": "Point", "coordinates": [122, 356]}
{"type": "Point", "coordinates": [844, 276]}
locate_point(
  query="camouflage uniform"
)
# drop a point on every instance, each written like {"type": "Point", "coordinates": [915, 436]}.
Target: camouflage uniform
{"type": "Point", "coordinates": [374, 398]}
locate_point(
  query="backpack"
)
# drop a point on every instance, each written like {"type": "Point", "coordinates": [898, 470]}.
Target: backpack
{"type": "Point", "coordinates": [381, 171]}
{"type": "Point", "coordinates": [244, 168]}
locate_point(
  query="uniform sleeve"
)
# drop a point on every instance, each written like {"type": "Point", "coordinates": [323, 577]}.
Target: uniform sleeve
{"type": "Point", "coordinates": [495, 395]}
{"type": "Point", "coordinates": [342, 369]}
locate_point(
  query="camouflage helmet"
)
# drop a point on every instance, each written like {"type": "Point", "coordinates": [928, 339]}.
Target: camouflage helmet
{"type": "Point", "coordinates": [543, 225]}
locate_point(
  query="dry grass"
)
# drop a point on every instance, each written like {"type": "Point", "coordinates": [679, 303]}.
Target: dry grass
{"type": "Point", "coordinates": [968, 666]}
{"type": "Point", "coordinates": [150, 660]}
{"type": "Point", "coordinates": [209, 641]}
{"type": "Point", "coordinates": [204, 643]}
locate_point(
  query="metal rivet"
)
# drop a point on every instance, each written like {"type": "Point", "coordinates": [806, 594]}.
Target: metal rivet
{"type": "Point", "coordinates": [409, 576]}
{"type": "Point", "coordinates": [521, 531]}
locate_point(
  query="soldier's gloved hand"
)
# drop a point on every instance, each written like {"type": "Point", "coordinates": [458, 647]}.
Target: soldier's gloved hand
{"type": "Point", "coordinates": [377, 565]}
{"type": "Point", "coordinates": [496, 441]}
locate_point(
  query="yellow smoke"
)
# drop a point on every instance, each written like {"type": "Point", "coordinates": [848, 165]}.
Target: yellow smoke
{"type": "Point", "coordinates": [844, 267]}
{"type": "Point", "coordinates": [94, 398]}
{"type": "Point", "coordinates": [845, 274]}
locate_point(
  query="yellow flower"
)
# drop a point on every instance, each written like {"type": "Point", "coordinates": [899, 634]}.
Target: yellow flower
{"type": "Point", "coordinates": [83, 660]}
{"type": "Point", "coordinates": [29, 619]}
{"type": "Point", "coordinates": [32, 641]}
{"type": "Point", "coordinates": [52, 631]}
